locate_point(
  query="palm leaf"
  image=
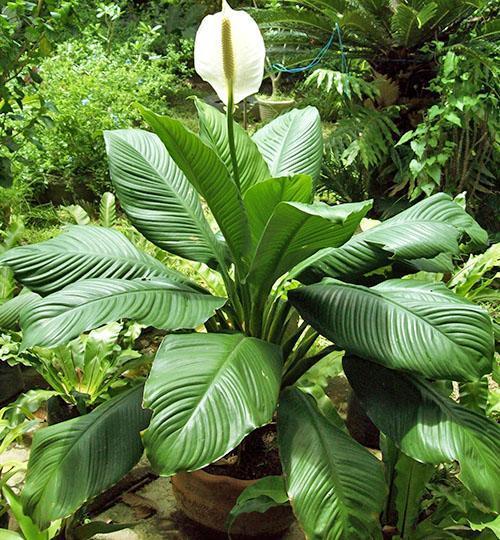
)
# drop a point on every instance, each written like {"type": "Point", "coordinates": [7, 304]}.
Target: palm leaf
{"type": "Point", "coordinates": [208, 391]}
{"type": "Point", "coordinates": [73, 461]}
{"type": "Point", "coordinates": [293, 143]}
{"type": "Point", "coordinates": [403, 324]}
{"type": "Point", "coordinates": [336, 486]}
{"type": "Point", "coordinates": [157, 197]}
{"type": "Point", "coordinates": [91, 303]}
{"type": "Point", "coordinates": [82, 252]}
{"type": "Point", "coordinates": [430, 427]}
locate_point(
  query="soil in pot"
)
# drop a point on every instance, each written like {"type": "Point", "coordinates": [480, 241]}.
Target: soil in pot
{"type": "Point", "coordinates": [208, 496]}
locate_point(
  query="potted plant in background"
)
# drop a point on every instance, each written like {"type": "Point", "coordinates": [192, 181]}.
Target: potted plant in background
{"type": "Point", "coordinates": [277, 103]}
{"type": "Point", "coordinates": [211, 391]}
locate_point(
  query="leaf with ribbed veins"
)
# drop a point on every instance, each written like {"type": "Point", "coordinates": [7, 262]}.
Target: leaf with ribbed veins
{"type": "Point", "coordinates": [403, 324]}
{"type": "Point", "coordinates": [157, 197]}
{"type": "Point", "coordinates": [88, 304]}
{"type": "Point", "coordinates": [429, 427]}
{"type": "Point", "coordinates": [82, 252]}
{"type": "Point", "coordinates": [207, 392]}
{"type": "Point", "coordinates": [73, 461]}
{"type": "Point", "coordinates": [336, 486]}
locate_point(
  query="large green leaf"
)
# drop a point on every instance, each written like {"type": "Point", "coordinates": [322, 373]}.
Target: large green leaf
{"type": "Point", "coordinates": [82, 252]}
{"type": "Point", "coordinates": [73, 461]}
{"type": "Point", "coordinates": [208, 391]}
{"type": "Point", "coordinates": [261, 199]}
{"type": "Point", "coordinates": [295, 231]}
{"type": "Point", "coordinates": [403, 324]}
{"type": "Point", "coordinates": [336, 486]}
{"type": "Point", "coordinates": [424, 236]}
{"type": "Point", "coordinates": [429, 427]}
{"type": "Point", "coordinates": [293, 143]}
{"type": "Point", "coordinates": [10, 311]}
{"type": "Point", "coordinates": [88, 304]}
{"type": "Point", "coordinates": [213, 131]}
{"type": "Point", "coordinates": [157, 197]}
{"type": "Point", "coordinates": [208, 174]}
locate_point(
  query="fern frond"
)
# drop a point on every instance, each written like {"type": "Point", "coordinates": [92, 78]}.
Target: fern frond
{"type": "Point", "coordinates": [366, 135]}
{"type": "Point", "coordinates": [345, 84]}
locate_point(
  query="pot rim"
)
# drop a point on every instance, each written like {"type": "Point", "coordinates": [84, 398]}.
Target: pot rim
{"type": "Point", "coordinates": [216, 478]}
{"type": "Point", "coordinates": [264, 101]}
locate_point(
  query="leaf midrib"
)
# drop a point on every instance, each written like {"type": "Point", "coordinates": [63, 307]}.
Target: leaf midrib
{"type": "Point", "coordinates": [88, 429]}
{"type": "Point", "coordinates": [195, 214]}
{"type": "Point", "coordinates": [406, 310]}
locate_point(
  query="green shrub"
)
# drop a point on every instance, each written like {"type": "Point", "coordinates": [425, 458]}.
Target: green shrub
{"type": "Point", "coordinates": [93, 91]}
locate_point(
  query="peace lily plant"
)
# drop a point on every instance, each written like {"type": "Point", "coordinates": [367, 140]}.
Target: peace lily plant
{"type": "Point", "coordinates": [284, 270]}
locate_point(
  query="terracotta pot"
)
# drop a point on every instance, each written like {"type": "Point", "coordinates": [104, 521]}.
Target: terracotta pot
{"type": "Point", "coordinates": [208, 499]}
{"type": "Point", "coordinates": [270, 109]}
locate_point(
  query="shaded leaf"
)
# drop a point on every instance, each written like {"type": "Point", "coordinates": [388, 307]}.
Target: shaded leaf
{"type": "Point", "coordinates": [73, 461]}
{"type": "Point", "coordinates": [336, 487]}
{"type": "Point", "coordinates": [266, 493]}
{"type": "Point", "coordinates": [429, 427]}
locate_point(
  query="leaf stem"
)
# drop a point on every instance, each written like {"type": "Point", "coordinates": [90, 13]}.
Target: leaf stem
{"type": "Point", "coordinates": [230, 136]}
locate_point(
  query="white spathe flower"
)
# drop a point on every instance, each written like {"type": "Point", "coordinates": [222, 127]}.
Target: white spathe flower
{"type": "Point", "coordinates": [229, 53]}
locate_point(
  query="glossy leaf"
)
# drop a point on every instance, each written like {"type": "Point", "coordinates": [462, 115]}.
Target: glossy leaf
{"type": "Point", "coordinates": [82, 252]}
{"type": "Point", "coordinates": [261, 199]}
{"type": "Point", "coordinates": [293, 143]}
{"type": "Point", "coordinates": [252, 168]}
{"type": "Point", "coordinates": [157, 197]}
{"type": "Point", "coordinates": [429, 427]}
{"type": "Point", "coordinates": [208, 391]}
{"type": "Point", "coordinates": [295, 231]}
{"type": "Point", "coordinates": [403, 324]}
{"type": "Point", "coordinates": [10, 311]}
{"type": "Point", "coordinates": [209, 176]}
{"type": "Point", "coordinates": [91, 303]}
{"type": "Point", "coordinates": [425, 236]}
{"type": "Point", "coordinates": [336, 487]}
{"type": "Point", "coordinates": [73, 461]}
{"type": "Point", "coordinates": [267, 492]}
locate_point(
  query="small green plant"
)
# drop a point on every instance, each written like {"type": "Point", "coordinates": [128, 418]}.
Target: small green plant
{"type": "Point", "coordinates": [93, 90]}
{"type": "Point", "coordinates": [26, 31]}
{"type": "Point", "coordinates": [455, 149]}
